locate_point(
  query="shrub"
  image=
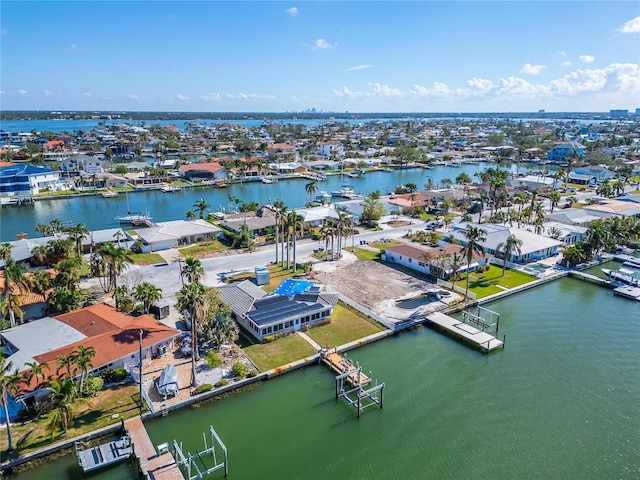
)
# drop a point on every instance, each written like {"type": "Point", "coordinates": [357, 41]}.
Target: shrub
{"type": "Point", "coordinates": [205, 387]}
{"type": "Point", "coordinates": [91, 386]}
{"type": "Point", "coordinates": [252, 373]}
{"type": "Point", "coordinates": [212, 359]}
{"type": "Point", "coordinates": [115, 375]}
{"type": "Point", "coordinates": [221, 383]}
{"type": "Point", "coordinates": [239, 369]}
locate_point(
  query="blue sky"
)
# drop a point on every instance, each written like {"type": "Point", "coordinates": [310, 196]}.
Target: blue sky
{"type": "Point", "coordinates": [357, 56]}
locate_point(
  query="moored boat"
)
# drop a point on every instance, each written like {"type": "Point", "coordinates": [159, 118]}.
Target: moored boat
{"type": "Point", "coordinates": [109, 194]}
{"type": "Point", "coordinates": [105, 454]}
{"type": "Point", "coordinates": [623, 275]}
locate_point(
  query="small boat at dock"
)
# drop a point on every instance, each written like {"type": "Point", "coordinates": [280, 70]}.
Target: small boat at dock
{"type": "Point", "coordinates": [634, 263]}
{"type": "Point", "coordinates": [170, 188]}
{"type": "Point", "coordinates": [103, 455]}
{"type": "Point", "coordinates": [623, 276]}
{"type": "Point", "coordinates": [109, 194]}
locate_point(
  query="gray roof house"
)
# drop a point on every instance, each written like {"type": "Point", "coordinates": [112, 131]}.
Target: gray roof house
{"type": "Point", "coordinates": [534, 246]}
{"type": "Point", "coordinates": [263, 315]}
{"type": "Point", "coordinates": [165, 235]}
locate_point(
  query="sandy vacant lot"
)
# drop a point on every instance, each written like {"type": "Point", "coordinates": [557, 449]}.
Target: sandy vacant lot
{"type": "Point", "coordinates": [372, 284]}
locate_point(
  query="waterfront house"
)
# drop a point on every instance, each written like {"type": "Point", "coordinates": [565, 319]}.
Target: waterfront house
{"type": "Point", "coordinates": [24, 181]}
{"type": "Point", "coordinates": [573, 216]}
{"type": "Point", "coordinates": [534, 246]}
{"type": "Point", "coordinates": [263, 315]}
{"type": "Point", "coordinates": [590, 175]}
{"type": "Point", "coordinates": [281, 152]}
{"type": "Point", "coordinates": [561, 151]}
{"type": "Point", "coordinates": [611, 207]}
{"type": "Point", "coordinates": [117, 339]}
{"type": "Point", "coordinates": [568, 234]}
{"type": "Point", "coordinates": [331, 150]}
{"type": "Point", "coordinates": [174, 234]}
{"type": "Point", "coordinates": [436, 261]}
{"type": "Point", "coordinates": [202, 171]}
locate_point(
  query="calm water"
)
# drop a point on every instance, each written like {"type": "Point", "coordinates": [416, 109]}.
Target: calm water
{"type": "Point", "coordinates": [562, 400]}
{"type": "Point", "coordinates": [98, 212]}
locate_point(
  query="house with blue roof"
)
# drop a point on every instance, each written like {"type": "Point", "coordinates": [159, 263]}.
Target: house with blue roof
{"type": "Point", "coordinates": [561, 151]}
{"type": "Point", "coordinates": [24, 181]}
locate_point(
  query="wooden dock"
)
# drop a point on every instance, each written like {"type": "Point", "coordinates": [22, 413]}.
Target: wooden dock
{"type": "Point", "coordinates": [341, 365]}
{"type": "Point", "coordinates": [485, 341]}
{"type": "Point", "coordinates": [152, 465]}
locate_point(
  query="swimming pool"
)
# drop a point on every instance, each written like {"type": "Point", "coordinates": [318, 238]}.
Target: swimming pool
{"type": "Point", "coordinates": [292, 287]}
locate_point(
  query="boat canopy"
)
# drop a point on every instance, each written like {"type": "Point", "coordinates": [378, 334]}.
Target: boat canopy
{"type": "Point", "coordinates": [168, 381]}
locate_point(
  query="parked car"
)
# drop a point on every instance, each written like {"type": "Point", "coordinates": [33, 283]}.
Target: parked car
{"type": "Point", "coordinates": [432, 225]}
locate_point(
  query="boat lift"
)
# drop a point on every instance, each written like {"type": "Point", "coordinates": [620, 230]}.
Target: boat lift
{"type": "Point", "coordinates": [358, 396]}
{"type": "Point", "coordinates": [482, 317]}
{"type": "Point", "coordinates": [197, 465]}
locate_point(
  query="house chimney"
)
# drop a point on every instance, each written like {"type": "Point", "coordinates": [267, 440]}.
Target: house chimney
{"type": "Point", "coordinates": [22, 236]}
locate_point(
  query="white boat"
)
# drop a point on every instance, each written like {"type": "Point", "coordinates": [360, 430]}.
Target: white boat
{"type": "Point", "coordinates": [109, 194]}
{"type": "Point", "coordinates": [104, 455]}
{"type": "Point", "coordinates": [632, 263]}
{"type": "Point", "coordinates": [135, 219]}
{"type": "Point", "coordinates": [267, 179]}
{"type": "Point", "coordinates": [344, 192]}
{"type": "Point", "coordinates": [170, 188]}
{"type": "Point", "coordinates": [323, 197]}
{"type": "Point", "coordinates": [623, 275]}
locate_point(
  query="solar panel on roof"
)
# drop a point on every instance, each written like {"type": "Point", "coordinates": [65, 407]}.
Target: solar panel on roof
{"type": "Point", "coordinates": [293, 309]}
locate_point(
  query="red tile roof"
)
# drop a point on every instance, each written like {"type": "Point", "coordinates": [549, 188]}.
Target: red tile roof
{"type": "Point", "coordinates": [212, 167]}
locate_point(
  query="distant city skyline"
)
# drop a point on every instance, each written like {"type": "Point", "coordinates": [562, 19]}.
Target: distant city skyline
{"type": "Point", "coordinates": [356, 56]}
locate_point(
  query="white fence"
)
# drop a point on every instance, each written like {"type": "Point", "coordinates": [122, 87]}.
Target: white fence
{"type": "Point", "coordinates": [451, 286]}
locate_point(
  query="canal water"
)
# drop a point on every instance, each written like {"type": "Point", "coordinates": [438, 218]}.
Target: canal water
{"type": "Point", "coordinates": [98, 213]}
{"type": "Point", "coordinates": [562, 400]}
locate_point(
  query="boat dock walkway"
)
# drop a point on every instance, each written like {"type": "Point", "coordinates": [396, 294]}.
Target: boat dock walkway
{"type": "Point", "coordinates": [590, 278]}
{"type": "Point", "coordinates": [341, 365]}
{"type": "Point", "coordinates": [485, 341]}
{"type": "Point", "coordinates": [152, 465]}
{"type": "Point", "coordinates": [628, 291]}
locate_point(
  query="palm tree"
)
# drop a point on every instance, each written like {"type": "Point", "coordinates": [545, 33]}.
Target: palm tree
{"type": "Point", "coordinates": [44, 229]}
{"type": "Point", "coordinates": [5, 252]}
{"type": "Point", "coordinates": [15, 283]}
{"type": "Point", "coordinates": [63, 394]}
{"type": "Point", "coordinates": [193, 270]}
{"type": "Point", "coordinates": [67, 362]}
{"type": "Point", "coordinates": [84, 361]}
{"type": "Point", "coordinates": [76, 234]}
{"type": "Point", "coordinates": [108, 262]}
{"type": "Point", "coordinates": [294, 222]}
{"type": "Point", "coordinates": [194, 298]}
{"type": "Point", "coordinates": [456, 260]}
{"type": "Point", "coordinates": [5, 387]}
{"type": "Point", "coordinates": [343, 222]}
{"type": "Point", "coordinates": [554, 198]}
{"type": "Point", "coordinates": [201, 207]}
{"type": "Point", "coordinates": [36, 370]}
{"type": "Point", "coordinates": [507, 248]}
{"type": "Point", "coordinates": [148, 294]}
{"type": "Point", "coordinates": [190, 215]}
{"type": "Point", "coordinates": [474, 237]}
{"type": "Point", "coordinates": [311, 188]}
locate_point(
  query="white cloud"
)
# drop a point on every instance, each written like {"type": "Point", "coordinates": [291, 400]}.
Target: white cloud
{"type": "Point", "coordinates": [322, 44]}
{"type": "Point", "coordinates": [480, 84]}
{"type": "Point", "coordinates": [562, 53]}
{"type": "Point", "coordinates": [250, 96]}
{"type": "Point", "coordinates": [293, 11]}
{"type": "Point", "coordinates": [181, 97]}
{"type": "Point", "coordinates": [632, 26]}
{"type": "Point", "coordinates": [71, 49]}
{"type": "Point", "coordinates": [532, 69]}
{"type": "Point", "coordinates": [586, 58]}
{"type": "Point", "coordinates": [358, 67]}
{"type": "Point", "coordinates": [133, 97]}
{"type": "Point", "coordinates": [566, 64]}
{"type": "Point", "coordinates": [48, 93]}
{"type": "Point", "coordinates": [22, 92]}
{"type": "Point", "coordinates": [87, 94]}
{"type": "Point", "coordinates": [212, 97]}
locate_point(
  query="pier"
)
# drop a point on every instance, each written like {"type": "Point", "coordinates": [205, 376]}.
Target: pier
{"type": "Point", "coordinates": [155, 465]}
{"type": "Point", "coordinates": [483, 340]}
{"type": "Point", "coordinates": [628, 291]}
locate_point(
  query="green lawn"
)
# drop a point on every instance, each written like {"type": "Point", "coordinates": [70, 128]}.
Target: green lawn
{"type": "Point", "coordinates": [490, 282]}
{"type": "Point", "coordinates": [147, 258]}
{"type": "Point", "coordinates": [202, 249]}
{"type": "Point", "coordinates": [365, 254]}
{"type": "Point", "coordinates": [347, 325]}
{"type": "Point", "coordinates": [280, 352]}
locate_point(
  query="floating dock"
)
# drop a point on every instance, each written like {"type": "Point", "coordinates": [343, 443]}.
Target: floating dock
{"type": "Point", "coordinates": [483, 340]}
{"type": "Point", "coordinates": [343, 366]}
{"type": "Point", "coordinates": [628, 291]}
{"type": "Point", "coordinates": [103, 455]}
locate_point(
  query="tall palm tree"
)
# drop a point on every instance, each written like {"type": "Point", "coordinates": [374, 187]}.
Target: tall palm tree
{"type": "Point", "coordinates": [194, 298]}
{"type": "Point", "coordinates": [311, 188]}
{"type": "Point", "coordinates": [84, 361]}
{"type": "Point", "coordinates": [294, 222]}
{"type": "Point", "coordinates": [44, 229]}
{"type": "Point", "coordinates": [343, 222]}
{"type": "Point", "coordinates": [62, 394]}
{"type": "Point", "coordinates": [67, 362]}
{"type": "Point", "coordinates": [148, 294]}
{"type": "Point", "coordinates": [76, 234]}
{"type": "Point", "coordinates": [15, 282]}
{"type": "Point", "coordinates": [5, 386]}
{"type": "Point", "coordinates": [512, 245]}
{"type": "Point", "coordinates": [108, 262]}
{"type": "Point", "coordinates": [201, 206]}
{"type": "Point", "coordinates": [5, 252]}
{"type": "Point", "coordinates": [193, 270]}
{"type": "Point", "coordinates": [474, 237]}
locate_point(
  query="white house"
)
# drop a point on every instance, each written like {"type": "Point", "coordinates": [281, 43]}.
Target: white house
{"type": "Point", "coordinates": [165, 235]}
{"type": "Point", "coordinates": [28, 180]}
{"type": "Point", "coordinates": [329, 149]}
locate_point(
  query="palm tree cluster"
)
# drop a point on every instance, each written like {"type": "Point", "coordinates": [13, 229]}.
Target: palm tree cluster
{"type": "Point", "coordinates": [210, 318]}
{"type": "Point", "coordinates": [604, 235]}
{"type": "Point", "coordinates": [107, 263]}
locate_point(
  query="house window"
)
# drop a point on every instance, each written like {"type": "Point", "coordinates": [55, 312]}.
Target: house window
{"type": "Point", "coordinates": [410, 260]}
